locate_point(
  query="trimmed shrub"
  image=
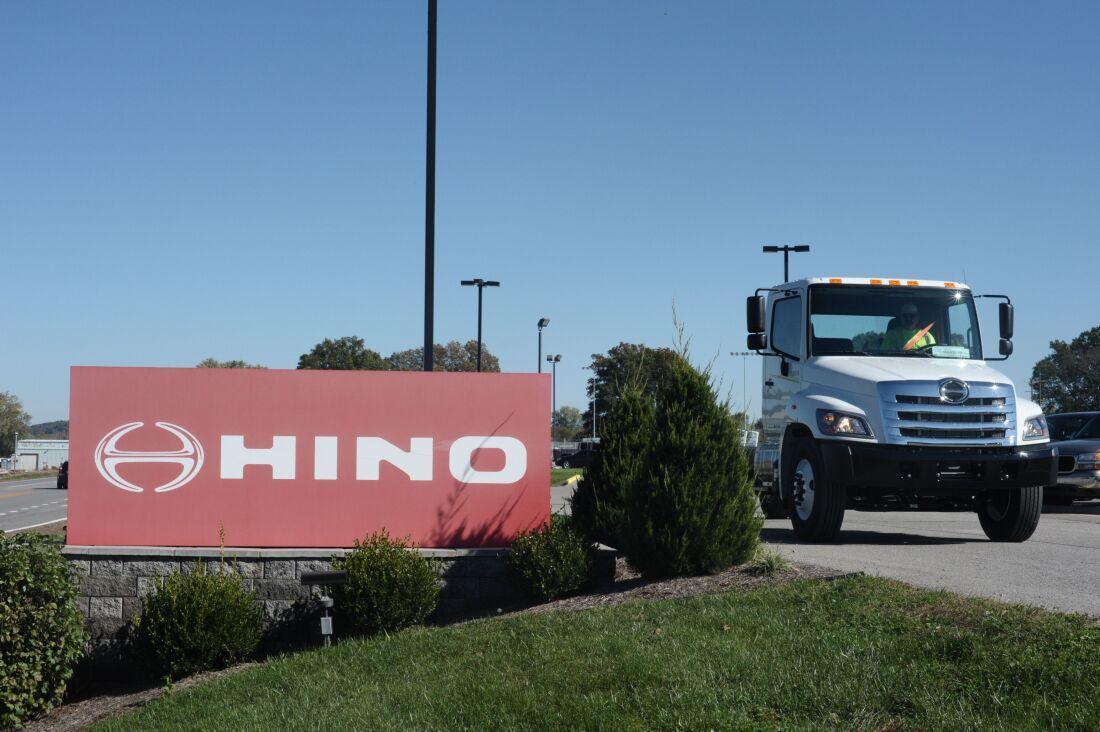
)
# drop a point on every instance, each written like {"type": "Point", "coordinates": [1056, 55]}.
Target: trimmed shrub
{"type": "Point", "coordinates": [388, 587]}
{"type": "Point", "coordinates": [597, 503]}
{"type": "Point", "coordinates": [196, 622]}
{"type": "Point", "coordinates": [551, 561]}
{"type": "Point", "coordinates": [692, 510]}
{"type": "Point", "coordinates": [41, 631]}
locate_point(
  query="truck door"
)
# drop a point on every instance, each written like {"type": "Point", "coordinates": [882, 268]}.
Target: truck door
{"type": "Point", "coordinates": [786, 343]}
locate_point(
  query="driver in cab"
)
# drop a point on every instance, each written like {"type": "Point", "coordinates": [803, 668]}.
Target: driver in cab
{"type": "Point", "coordinates": [908, 334]}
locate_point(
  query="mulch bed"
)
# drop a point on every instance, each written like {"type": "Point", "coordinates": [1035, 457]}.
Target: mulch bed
{"type": "Point", "coordinates": [112, 699]}
{"type": "Point", "coordinates": [109, 700]}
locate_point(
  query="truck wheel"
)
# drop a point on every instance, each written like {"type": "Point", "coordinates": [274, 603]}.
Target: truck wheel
{"type": "Point", "coordinates": [817, 502]}
{"type": "Point", "coordinates": [771, 507]}
{"type": "Point", "coordinates": [1012, 515]}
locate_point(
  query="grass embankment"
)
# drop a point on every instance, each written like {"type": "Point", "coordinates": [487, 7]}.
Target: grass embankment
{"type": "Point", "coordinates": [861, 652]}
{"type": "Point", "coordinates": [29, 475]}
{"type": "Point", "coordinates": [560, 475]}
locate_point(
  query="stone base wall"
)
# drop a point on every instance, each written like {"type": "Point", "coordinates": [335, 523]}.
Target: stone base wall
{"type": "Point", "coordinates": [114, 579]}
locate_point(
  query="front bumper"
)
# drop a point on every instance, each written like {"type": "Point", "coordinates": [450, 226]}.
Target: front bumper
{"type": "Point", "coordinates": [1080, 483]}
{"type": "Point", "coordinates": [931, 471]}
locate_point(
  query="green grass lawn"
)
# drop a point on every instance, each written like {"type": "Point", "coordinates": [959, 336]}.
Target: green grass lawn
{"type": "Point", "coordinates": [560, 475]}
{"type": "Point", "coordinates": [858, 653]}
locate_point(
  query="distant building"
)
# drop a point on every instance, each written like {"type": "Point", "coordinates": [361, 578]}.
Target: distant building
{"type": "Point", "coordinates": [40, 454]}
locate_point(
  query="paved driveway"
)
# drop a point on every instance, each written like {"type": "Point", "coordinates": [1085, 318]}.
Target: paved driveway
{"type": "Point", "coordinates": [31, 503]}
{"type": "Point", "coordinates": [1058, 568]}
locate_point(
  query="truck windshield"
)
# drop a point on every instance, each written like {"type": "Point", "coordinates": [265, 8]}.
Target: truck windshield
{"type": "Point", "coordinates": [921, 322]}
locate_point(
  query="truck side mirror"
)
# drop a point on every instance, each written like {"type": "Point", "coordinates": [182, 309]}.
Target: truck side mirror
{"type": "Point", "coordinates": [1006, 320]}
{"type": "Point", "coordinates": [757, 341]}
{"type": "Point", "coordinates": [1006, 346]}
{"type": "Point", "coordinates": [754, 314]}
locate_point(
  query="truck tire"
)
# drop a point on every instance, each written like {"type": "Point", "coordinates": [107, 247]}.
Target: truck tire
{"type": "Point", "coordinates": [817, 503]}
{"type": "Point", "coordinates": [1012, 515]}
{"type": "Point", "coordinates": [772, 507]}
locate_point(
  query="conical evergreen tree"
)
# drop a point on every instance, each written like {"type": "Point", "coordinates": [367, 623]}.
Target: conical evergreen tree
{"type": "Point", "coordinates": [597, 503]}
{"type": "Point", "coordinates": [691, 511]}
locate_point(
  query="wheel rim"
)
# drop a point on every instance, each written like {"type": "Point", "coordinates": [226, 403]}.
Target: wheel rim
{"type": "Point", "coordinates": [998, 510]}
{"type": "Point", "coordinates": [804, 489]}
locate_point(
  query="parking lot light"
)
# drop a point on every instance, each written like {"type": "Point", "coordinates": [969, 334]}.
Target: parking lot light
{"type": "Point", "coordinates": [786, 256]}
{"type": "Point", "coordinates": [543, 322]}
{"type": "Point", "coordinates": [480, 284]}
{"type": "Point", "coordinates": [553, 359]}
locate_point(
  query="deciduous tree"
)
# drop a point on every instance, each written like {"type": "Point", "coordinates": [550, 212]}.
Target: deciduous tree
{"type": "Point", "coordinates": [1068, 380]}
{"type": "Point", "coordinates": [627, 363]}
{"type": "Point", "coordinates": [453, 356]}
{"type": "Point", "coordinates": [568, 423]}
{"type": "Point", "coordinates": [13, 419]}
{"type": "Point", "coordinates": [213, 363]}
{"type": "Point", "coordinates": [343, 354]}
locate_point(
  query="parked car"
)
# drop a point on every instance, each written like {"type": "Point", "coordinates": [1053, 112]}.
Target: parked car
{"type": "Point", "coordinates": [579, 459]}
{"type": "Point", "coordinates": [1077, 435]}
{"type": "Point", "coordinates": [63, 476]}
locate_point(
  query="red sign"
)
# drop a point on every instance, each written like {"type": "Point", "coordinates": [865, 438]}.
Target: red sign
{"type": "Point", "coordinates": [265, 458]}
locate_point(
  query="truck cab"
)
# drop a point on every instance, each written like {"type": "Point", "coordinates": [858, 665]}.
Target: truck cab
{"type": "Point", "coordinates": [877, 396]}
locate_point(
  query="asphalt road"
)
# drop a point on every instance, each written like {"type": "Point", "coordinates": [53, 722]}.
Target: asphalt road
{"type": "Point", "coordinates": [26, 504]}
{"type": "Point", "coordinates": [1058, 568]}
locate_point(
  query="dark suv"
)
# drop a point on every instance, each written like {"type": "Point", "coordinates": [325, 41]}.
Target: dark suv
{"type": "Point", "coordinates": [63, 476]}
{"type": "Point", "coordinates": [1077, 435]}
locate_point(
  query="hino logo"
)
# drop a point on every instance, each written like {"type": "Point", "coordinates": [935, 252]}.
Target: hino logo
{"type": "Point", "coordinates": [108, 457]}
{"type": "Point", "coordinates": [370, 452]}
{"type": "Point", "coordinates": [954, 391]}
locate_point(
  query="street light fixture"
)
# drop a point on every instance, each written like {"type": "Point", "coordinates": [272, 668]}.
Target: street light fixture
{"type": "Point", "coordinates": [543, 322]}
{"type": "Point", "coordinates": [553, 359]}
{"type": "Point", "coordinates": [480, 284]}
{"type": "Point", "coordinates": [786, 256]}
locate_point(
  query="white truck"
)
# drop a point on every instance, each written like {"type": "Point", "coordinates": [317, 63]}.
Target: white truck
{"type": "Point", "coordinates": [878, 397]}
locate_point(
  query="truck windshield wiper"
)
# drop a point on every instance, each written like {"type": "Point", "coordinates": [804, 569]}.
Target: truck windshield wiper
{"type": "Point", "coordinates": [913, 352]}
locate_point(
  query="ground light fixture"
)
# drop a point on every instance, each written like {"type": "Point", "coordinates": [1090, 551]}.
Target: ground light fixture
{"type": "Point", "coordinates": [543, 322]}
{"type": "Point", "coordinates": [480, 284]}
{"type": "Point", "coordinates": [786, 256]}
{"type": "Point", "coordinates": [325, 580]}
{"type": "Point", "coordinates": [553, 359]}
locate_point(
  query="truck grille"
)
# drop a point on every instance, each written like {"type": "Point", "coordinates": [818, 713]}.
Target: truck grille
{"type": "Point", "coordinates": [953, 434]}
{"type": "Point", "coordinates": [1067, 463]}
{"type": "Point", "coordinates": [969, 417]}
{"type": "Point", "coordinates": [971, 402]}
{"type": "Point", "coordinates": [914, 413]}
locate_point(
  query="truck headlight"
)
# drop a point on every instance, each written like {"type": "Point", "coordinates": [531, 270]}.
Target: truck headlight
{"type": "Point", "coordinates": [1035, 428]}
{"type": "Point", "coordinates": [842, 424]}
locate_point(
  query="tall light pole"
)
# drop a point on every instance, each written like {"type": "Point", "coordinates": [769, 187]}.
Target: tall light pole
{"type": "Point", "coordinates": [786, 256]}
{"type": "Point", "coordinates": [1039, 383]}
{"type": "Point", "coordinates": [429, 196]}
{"type": "Point", "coordinates": [744, 378]}
{"type": "Point", "coordinates": [543, 322]}
{"type": "Point", "coordinates": [593, 415]}
{"type": "Point", "coordinates": [553, 359]}
{"type": "Point", "coordinates": [480, 284]}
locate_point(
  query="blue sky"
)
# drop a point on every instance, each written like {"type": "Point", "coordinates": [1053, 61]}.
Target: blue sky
{"type": "Point", "coordinates": [241, 180]}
